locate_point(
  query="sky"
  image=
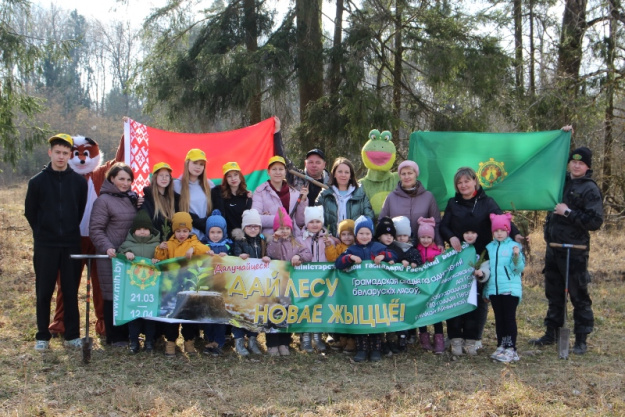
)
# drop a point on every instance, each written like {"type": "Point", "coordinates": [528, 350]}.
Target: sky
{"type": "Point", "coordinates": [105, 9]}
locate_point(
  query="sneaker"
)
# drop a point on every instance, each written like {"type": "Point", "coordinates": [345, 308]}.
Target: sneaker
{"type": "Point", "coordinates": [305, 343]}
{"type": "Point", "coordinates": [497, 352]}
{"type": "Point", "coordinates": [42, 345]}
{"type": "Point", "coordinates": [74, 343]}
{"type": "Point", "coordinates": [284, 350]}
{"type": "Point", "coordinates": [456, 346]}
{"type": "Point", "coordinates": [508, 355]}
{"type": "Point", "coordinates": [318, 342]}
{"type": "Point", "coordinates": [424, 339]}
{"type": "Point", "coordinates": [273, 351]}
{"type": "Point", "coordinates": [170, 348]}
{"type": "Point", "coordinates": [252, 345]}
{"type": "Point", "coordinates": [239, 347]}
{"type": "Point", "coordinates": [189, 347]}
{"type": "Point", "coordinates": [212, 351]}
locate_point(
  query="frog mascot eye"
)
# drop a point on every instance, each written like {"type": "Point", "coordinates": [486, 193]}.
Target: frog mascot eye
{"type": "Point", "coordinates": [378, 155]}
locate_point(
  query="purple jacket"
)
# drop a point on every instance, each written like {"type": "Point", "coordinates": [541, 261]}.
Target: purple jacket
{"type": "Point", "coordinates": [423, 204]}
{"type": "Point", "coordinates": [111, 218]}
{"type": "Point", "coordinates": [316, 244]}
{"type": "Point", "coordinates": [267, 203]}
{"type": "Point", "coordinates": [284, 250]}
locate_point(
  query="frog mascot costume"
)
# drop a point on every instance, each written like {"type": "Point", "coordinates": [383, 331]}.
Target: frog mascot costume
{"type": "Point", "coordinates": [379, 155]}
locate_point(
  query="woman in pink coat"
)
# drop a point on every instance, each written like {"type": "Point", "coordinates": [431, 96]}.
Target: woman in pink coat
{"type": "Point", "coordinates": [276, 193]}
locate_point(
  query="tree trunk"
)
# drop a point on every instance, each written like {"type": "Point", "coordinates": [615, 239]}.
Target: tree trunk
{"type": "Point", "coordinates": [397, 67]}
{"type": "Point", "coordinates": [532, 75]}
{"type": "Point", "coordinates": [608, 139]}
{"type": "Point", "coordinates": [334, 76]}
{"type": "Point", "coordinates": [251, 43]}
{"type": "Point", "coordinates": [518, 46]}
{"type": "Point", "coordinates": [309, 53]}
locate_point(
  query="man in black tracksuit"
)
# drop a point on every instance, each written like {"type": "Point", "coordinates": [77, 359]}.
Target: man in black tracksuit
{"type": "Point", "coordinates": [54, 206]}
{"type": "Point", "coordinates": [580, 211]}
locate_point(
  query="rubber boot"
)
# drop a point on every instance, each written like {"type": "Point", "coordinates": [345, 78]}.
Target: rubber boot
{"type": "Point", "coordinates": [375, 347]}
{"type": "Point", "coordinates": [580, 347]}
{"type": "Point", "coordinates": [252, 344]}
{"type": "Point", "coordinates": [239, 346]}
{"type": "Point", "coordinates": [318, 342]}
{"type": "Point", "coordinates": [305, 343]}
{"type": "Point", "coordinates": [439, 343]}
{"type": "Point", "coordinates": [424, 340]}
{"type": "Point", "coordinates": [549, 338]}
{"type": "Point", "coordinates": [361, 349]}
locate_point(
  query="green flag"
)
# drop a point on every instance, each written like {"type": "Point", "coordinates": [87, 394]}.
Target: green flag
{"type": "Point", "coordinates": [524, 171]}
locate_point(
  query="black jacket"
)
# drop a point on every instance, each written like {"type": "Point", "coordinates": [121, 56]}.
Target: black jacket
{"type": "Point", "coordinates": [256, 247]}
{"type": "Point", "coordinates": [54, 206]}
{"type": "Point", "coordinates": [586, 203]}
{"type": "Point", "coordinates": [462, 215]}
{"type": "Point", "coordinates": [232, 209]}
{"type": "Point", "coordinates": [161, 224]}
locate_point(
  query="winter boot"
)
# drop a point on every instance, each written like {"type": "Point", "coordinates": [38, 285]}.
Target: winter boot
{"type": "Point", "coordinates": [170, 348]}
{"type": "Point", "coordinates": [134, 347]}
{"type": "Point", "coordinates": [439, 343]}
{"type": "Point", "coordinates": [361, 349]}
{"type": "Point", "coordinates": [149, 346]}
{"type": "Point", "coordinates": [189, 347]}
{"type": "Point", "coordinates": [318, 342]}
{"type": "Point", "coordinates": [469, 347]}
{"type": "Point", "coordinates": [580, 347]}
{"type": "Point", "coordinates": [549, 338]}
{"type": "Point", "coordinates": [375, 347]}
{"type": "Point", "coordinates": [339, 343]}
{"type": "Point", "coordinates": [402, 342]}
{"type": "Point", "coordinates": [239, 346]}
{"type": "Point", "coordinates": [252, 344]}
{"type": "Point", "coordinates": [350, 345]}
{"type": "Point", "coordinates": [424, 339]}
{"type": "Point", "coordinates": [456, 346]}
{"type": "Point", "coordinates": [305, 343]}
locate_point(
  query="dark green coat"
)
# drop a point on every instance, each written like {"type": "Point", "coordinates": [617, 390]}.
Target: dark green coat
{"type": "Point", "coordinates": [141, 246]}
{"type": "Point", "coordinates": [357, 205]}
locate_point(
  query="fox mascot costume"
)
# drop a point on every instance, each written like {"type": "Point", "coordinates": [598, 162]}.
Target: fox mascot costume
{"type": "Point", "coordinates": [85, 160]}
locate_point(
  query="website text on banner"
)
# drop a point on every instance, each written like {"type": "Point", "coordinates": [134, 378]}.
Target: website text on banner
{"type": "Point", "coordinates": [274, 297]}
{"type": "Point", "coordinates": [522, 171]}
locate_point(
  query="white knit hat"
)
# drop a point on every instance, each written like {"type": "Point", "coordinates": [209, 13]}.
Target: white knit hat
{"type": "Point", "coordinates": [313, 213]}
{"type": "Point", "coordinates": [402, 225]}
{"type": "Point", "coordinates": [250, 218]}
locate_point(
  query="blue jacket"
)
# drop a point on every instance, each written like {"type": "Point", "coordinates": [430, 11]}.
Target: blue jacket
{"type": "Point", "coordinates": [366, 252]}
{"type": "Point", "coordinates": [505, 276]}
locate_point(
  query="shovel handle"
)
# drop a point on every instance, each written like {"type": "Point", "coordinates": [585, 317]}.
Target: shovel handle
{"type": "Point", "coordinates": [568, 246]}
{"type": "Point", "coordinates": [308, 178]}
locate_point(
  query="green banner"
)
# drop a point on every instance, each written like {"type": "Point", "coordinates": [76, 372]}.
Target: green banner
{"type": "Point", "coordinates": [524, 171]}
{"type": "Point", "coordinates": [314, 297]}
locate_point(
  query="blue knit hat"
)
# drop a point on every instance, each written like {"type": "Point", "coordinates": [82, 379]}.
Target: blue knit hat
{"type": "Point", "coordinates": [363, 221]}
{"type": "Point", "coordinates": [216, 220]}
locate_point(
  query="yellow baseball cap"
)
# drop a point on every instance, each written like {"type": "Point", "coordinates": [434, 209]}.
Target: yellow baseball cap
{"type": "Point", "coordinates": [230, 166]}
{"type": "Point", "coordinates": [63, 136]}
{"type": "Point", "coordinates": [195, 155]}
{"type": "Point", "coordinates": [160, 166]}
{"type": "Point", "coordinates": [275, 159]}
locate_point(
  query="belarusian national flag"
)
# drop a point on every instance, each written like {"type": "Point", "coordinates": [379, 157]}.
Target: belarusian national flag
{"type": "Point", "coordinates": [251, 147]}
{"type": "Point", "coordinates": [521, 170]}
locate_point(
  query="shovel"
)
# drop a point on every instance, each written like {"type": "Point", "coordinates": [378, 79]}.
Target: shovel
{"type": "Point", "coordinates": [87, 342]}
{"type": "Point", "coordinates": [564, 333]}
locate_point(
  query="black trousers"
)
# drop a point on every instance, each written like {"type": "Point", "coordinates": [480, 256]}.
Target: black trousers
{"type": "Point", "coordinates": [504, 307]}
{"type": "Point", "coordinates": [277, 339]}
{"type": "Point", "coordinates": [48, 261]}
{"type": "Point", "coordinates": [555, 274]}
{"type": "Point", "coordinates": [172, 331]}
{"type": "Point", "coordinates": [114, 333]}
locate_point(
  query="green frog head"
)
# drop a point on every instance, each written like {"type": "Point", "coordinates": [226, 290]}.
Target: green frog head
{"type": "Point", "coordinates": [379, 152]}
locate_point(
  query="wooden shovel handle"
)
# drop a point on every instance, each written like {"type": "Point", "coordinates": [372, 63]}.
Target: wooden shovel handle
{"type": "Point", "coordinates": [308, 178]}
{"type": "Point", "coordinates": [568, 245]}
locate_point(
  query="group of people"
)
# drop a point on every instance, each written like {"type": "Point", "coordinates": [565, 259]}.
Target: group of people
{"type": "Point", "coordinates": [329, 219]}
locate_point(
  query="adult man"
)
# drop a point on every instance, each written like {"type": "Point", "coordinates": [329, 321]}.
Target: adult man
{"type": "Point", "coordinates": [580, 211]}
{"type": "Point", "coordinates": [314, 167]}
{"type": "Point", "coordinates": [55, 203]}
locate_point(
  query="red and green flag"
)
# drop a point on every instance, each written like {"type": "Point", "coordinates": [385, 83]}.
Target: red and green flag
{"type": "Point", "coordinates": [523, 171]}
{"type": "Point", "coordinates": [251, 147]}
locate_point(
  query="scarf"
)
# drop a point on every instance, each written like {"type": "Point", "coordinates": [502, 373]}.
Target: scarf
{"type": "Point", "coordinates": [341, 201]}
{"type": "Point", "coordinates": [412, 192]}
{"type": "Point", "coordinates": [283, 195]}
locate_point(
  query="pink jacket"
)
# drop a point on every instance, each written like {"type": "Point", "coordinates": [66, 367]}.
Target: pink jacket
{"type": "Point", "coordinates": [317, 246]}
{"type": "Point", "coordinates": [428, 254]}
{"type": "Point", "coordinates": [267, 202]}
{"type": "Point", "coordinates": [284, 250]}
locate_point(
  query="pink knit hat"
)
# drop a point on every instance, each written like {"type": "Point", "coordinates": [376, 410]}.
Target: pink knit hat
{"type": "Point", "coordinates": [426, 226]}
{"type": "Point", "coordinates": [500, 221]}
{"type": "Point", "coordinates": [282, 219]}
{"type": "Point", "coordinates": [408, 164]}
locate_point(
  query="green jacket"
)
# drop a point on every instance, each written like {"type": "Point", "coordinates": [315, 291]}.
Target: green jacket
{"type": "Point", "coordinates": [357, 205]}
{"type": "Point", "coordinates": [140, 246]}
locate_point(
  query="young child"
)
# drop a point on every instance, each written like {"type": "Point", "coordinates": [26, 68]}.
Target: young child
{"type": "Point", "coordinates": [342, 342]}
{"type": "Point", "coordinates": [426, 245]}
{"type": "Point", "coordinates": [217, 240]}
{"type": "Point", "coordinates": [504, 286]}
{"type": "Point", "coordinates": [248, 243]}
{"type": "Point", "coordinates": [411, 256]}
{"type": "Point", "coordinates": [284, 246]}
{"type": "Point", "coordinates": [364, 249]}
{"type": "Point", "coordinates": [141, 241]}
{"type": "Point", "coordinates": [315, 237]}
{"type": "Point", "coordinates": [182, 243]}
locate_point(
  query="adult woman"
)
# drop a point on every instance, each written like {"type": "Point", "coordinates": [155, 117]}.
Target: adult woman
{"type": "Point", "coordinates": [470, 206]}
{"type": "Point", "coordinates": [276, 193]}
{"type": "Point", "coordinates": [111, 217]}
{"type": "Point", "coordinates": [232, 197]}
{"type": "Point", "coordinates": [160, 200]}
{"type": "Point", "coordinates": [345, 199]}
{"type": "Point", "coordinates": [195, 190]}
{"type": "Point", "coordinates": [412, 200]}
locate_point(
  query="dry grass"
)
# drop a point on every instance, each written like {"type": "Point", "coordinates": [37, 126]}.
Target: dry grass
{"type": "Point", "coordinates": [412, 384]}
